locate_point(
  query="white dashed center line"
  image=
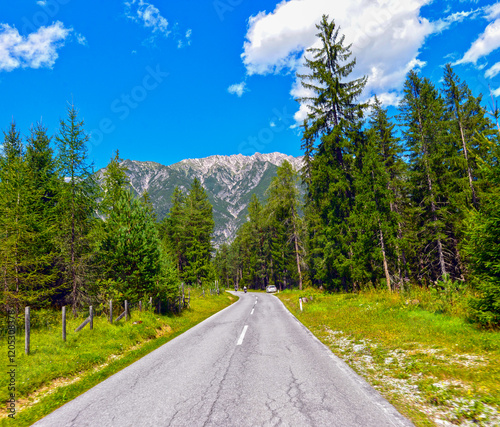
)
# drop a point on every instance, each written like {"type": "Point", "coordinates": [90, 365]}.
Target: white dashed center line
{"type": "Point", "coordinates": [242, 336]}
{"type": "Point", "coordinates": [252, 310]}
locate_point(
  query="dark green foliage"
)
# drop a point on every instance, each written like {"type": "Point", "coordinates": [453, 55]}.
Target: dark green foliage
{"type": "Point", "coordinates": [76, 207]}
{"type": "Point", "coordinates": [375, 219]}
{"type": "Point", "coordinates": [131, 252]}
{"type": "Point", "coordinates": [54, 248]}
{"type": "Point", "coordinates": [115, 182]}
{"type": "Point", "coordinates": [268, 249]}
{"type": "Point", "coordinates": [425, 133]}
{"type": "Point", "coordinates": [483, 245]}
{"type": "Point", "coordinates": [333, 120]}
{"type": "Point", "coordinates": [187, 232]}
{"type": "Point", "coordinates": [26, 220]}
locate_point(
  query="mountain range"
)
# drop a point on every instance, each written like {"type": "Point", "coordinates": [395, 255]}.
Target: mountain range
{"type": "Point", "coordinates": [229, 182]}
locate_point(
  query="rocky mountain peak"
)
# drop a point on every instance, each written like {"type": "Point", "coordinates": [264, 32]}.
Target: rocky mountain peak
{"type": "Point", "coordinates": [229, 181]}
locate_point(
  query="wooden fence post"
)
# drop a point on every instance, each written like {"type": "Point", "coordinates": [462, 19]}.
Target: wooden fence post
{"type": "Point", "coordinates": [140, 305]}
{"type": "Point", "coordinates": [91, 315]}
{"type": "Point", "coordinates": [110, 311]}
{"type": "Point", "coordinates": [27, 330]}
{"type": "Point", "coordinates": [64, 323]}
{"type": "Point", "coordinates": [126, 310]}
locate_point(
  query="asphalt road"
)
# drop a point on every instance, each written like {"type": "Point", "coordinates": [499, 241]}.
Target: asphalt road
{"type": "Point", "coordinates": [252, 364]}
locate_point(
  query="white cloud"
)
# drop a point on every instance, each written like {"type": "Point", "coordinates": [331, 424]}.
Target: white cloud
{"type": "Point", "coordinates": [41, 2]}
{"type": "Point", "coordinates": [493, 71]}
{"type": "Point", "coordinates": [388, 98]}
{"type": "Point", "coordinates": [492, 12]}
{"type": "Point", "coordinates": [186, 41]}
{"type": "Point", "coordinates": [148, 15]}
{"type": "Point", "coordinates": [484, 45]}
{"type": "Point", "coordinates": [386, 37]}
{"type": "Point", "coordinates": [237, 89]}
{"type": "Point", "coordinates": [445, 23]}
{"type": "Point", "coordinates": [80, 38]}
{"type": "Point", "coordinates": [496, 93]}
{"type": "Point", "coordinates": [37, 50]}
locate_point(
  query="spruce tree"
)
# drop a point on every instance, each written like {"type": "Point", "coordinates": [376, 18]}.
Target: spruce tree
{"type": "Point", "coordinates": [466, 120]}
{"type": "Point", "coordinates": [333, 112]}
{"type": "Point", "coordinates": [199, 227]}
{"type": "Point", "coordinates": [482, 245]}
{"type": "Point", "coordinates": [376, 218]}
{"type": "Point", "coordinates": [172, 229]}
{"type": "Point", "coordinates": [283, 204]}
{"type": "Point", "coordinates": [76, 207]}
{"type": "Point", "coordinates": [26, 256]}
{"type": "Point", "coordinates": [131, 252]}
{"type": "Point", "coordinates": [115, 182]}
{"type": "Point", "coordinates": [431, 178]}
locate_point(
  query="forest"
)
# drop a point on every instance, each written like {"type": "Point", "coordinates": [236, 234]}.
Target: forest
{"type": "Point", "coordinates": [381, 202]}
{"type": "Point", "coordinates": [70, 236]}
{"type": "Point", "coordinates": [389, 203]}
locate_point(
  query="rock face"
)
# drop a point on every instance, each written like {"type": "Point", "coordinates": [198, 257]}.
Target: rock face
{"type": "Point", "coordinates": [229, 182]}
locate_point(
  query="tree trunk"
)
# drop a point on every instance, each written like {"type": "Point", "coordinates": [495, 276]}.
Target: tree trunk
{"type": "Point", "coordinates": [295, 238]}
{"type": "Point", "coordinates": [72, 267]}
{"type": "Point", "coordinates": [386, 268]}
{"type": "Point", "coordinates": [469, 172]}
{"type": "Point", "coordinates": [433, 203]}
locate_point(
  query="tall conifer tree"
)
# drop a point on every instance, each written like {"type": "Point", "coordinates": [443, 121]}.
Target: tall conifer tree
{"type": "Point", "coordinates": [333, 113]}
{"type": "Point", "coordinates": [77, 205]}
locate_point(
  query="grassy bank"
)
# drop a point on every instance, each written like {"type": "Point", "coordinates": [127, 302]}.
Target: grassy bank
{"type": "Point", "coordinates": [435, 368]}
{"type": "Point", "coordinates": [56, 372]}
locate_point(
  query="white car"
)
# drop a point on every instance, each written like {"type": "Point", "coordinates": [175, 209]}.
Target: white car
{"type": "Point", "coordinates": [271, 288]}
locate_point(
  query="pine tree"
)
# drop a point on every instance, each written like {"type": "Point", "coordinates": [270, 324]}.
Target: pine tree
{"type": "Point", "coordinates": [378, 179]}
{"type": "Point", "coordinates": [198, 234]}
{"type": "Point", "coordinates": [483, 244]}
{"type": "Point", "coordinates": [187, 232]}
{"type": "Point", "coordinates": [333, 114]}
{"type": "Point", "coordinates": [466, 119]}
{"type": "Point", "coordinates": [172, 229]}
{"type": "Point", "coordinates": [26, 258]}
{"type": "Point", "coordinates": [115, 182]}
{"type": "Point", "coordinates": [283, 203]}
{"type": "Point", "coordinates": [423, 118]}
{"type": "Point", "coordinates": [131, 250]}
{"type": "Point", "coordinates": [13, 180]}
{"type": "Point", "coordinates": [77, 205]}
{"type": "Point", "coordinates": [42, 168]}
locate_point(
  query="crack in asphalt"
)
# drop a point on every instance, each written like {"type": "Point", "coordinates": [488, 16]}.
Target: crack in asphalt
{"type": "Point", "coordinates": [297, 400]}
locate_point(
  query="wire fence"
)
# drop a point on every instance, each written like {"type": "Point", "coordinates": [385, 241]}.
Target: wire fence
{"type": "Point", "coordinates": [114, 312]}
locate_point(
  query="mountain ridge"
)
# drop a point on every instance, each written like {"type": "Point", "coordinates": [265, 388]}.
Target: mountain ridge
{"type": "Point", "coordinates": [229, 182]}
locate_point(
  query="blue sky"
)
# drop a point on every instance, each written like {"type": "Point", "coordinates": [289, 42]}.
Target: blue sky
{"type": "Point", "coordinates": [165, 80]}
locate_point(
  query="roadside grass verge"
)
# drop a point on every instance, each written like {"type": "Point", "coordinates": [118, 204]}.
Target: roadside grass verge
{"type": "Point", "coordinates": [56, 372]}
{"type": "Point", "coordinates": [436, 369]}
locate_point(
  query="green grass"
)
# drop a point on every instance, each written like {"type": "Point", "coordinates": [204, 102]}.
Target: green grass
{"type": "Point", "coordinates": [431, 366]}
{"type": "Point", "coordinates": [56, 372]}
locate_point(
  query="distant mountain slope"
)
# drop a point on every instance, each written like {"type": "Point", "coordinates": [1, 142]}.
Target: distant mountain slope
{"type": "Point", "coordinates": [229, 181]}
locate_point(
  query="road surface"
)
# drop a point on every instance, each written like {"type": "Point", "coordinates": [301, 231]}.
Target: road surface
{"type": "Point", "coordinates": [252, 364]}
